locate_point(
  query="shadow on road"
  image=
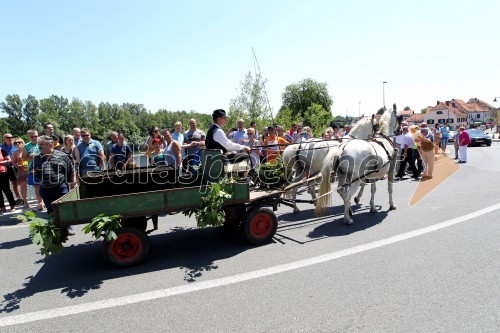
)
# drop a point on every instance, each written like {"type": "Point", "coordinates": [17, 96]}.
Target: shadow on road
{"type": "Point", "coordinates": [337, 227]}
{"type": "Point", "coordinates": [330, 225]}
{"type": "Point", "coordinates": [80, 268]}
{"type": "Point", "coordinates": [14, 244]}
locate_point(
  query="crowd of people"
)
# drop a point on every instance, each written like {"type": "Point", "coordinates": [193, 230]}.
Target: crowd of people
{"type": "Point", "coordinates": [418, 146]}
{"type": "Point", "coordinates": [53, 165]}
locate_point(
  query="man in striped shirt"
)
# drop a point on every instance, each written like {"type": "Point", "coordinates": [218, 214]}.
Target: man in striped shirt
{"type": "Point", "coordinates": [54, 170]}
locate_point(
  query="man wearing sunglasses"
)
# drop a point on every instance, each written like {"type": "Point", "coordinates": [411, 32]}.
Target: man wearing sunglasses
{"type": "Point", "coordinates": [91, 153]}
{"type": "Point", "coordinates": [31, 149]}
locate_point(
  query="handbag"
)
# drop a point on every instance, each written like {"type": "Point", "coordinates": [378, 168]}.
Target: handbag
{"type": "Point", "coordinates": [427, 145]}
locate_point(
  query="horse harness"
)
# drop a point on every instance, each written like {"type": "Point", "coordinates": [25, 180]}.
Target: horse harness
{"type": "Point", "coordinates": [374, 139]}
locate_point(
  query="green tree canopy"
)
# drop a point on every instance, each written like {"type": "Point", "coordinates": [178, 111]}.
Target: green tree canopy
{"type": "Point", "coordinates": [317, 118]}
{"type": "Point", "coordinates": [251, 103]}
{"type": "Point", "coordinates": [298, 97]}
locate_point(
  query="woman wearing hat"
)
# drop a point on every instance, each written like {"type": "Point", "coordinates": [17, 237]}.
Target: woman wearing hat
{"type": "Point", "coordinates": [427, 152]}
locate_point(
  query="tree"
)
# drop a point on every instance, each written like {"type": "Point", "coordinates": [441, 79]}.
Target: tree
{"type": "Point", "coordinates": [55, 110]}
{"type": "Point", "coordinates": [30, 112]}
{"type": "Point", "coordinates": [394, 108]}
{"type": "Point", "coordinates": [286, 119]}
{"type": "Point", "coordinates": [251, 104]}
{"type": "Point", "coordinates": [13, 107]}
{"type": "Point", "coordinates": [407, 108]}
{"type": "Point", "coordinates": [298, 97]}
{"type": "Point", "coordinates": [424, 110]}
{"type": "Point", "coordinates": [317, 118]}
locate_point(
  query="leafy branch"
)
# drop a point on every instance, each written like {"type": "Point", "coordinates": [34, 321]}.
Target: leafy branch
{"type": "Point", "coordinates": [45, 233]}
{"type": "Point", "coordinates": [272, 174]}
{"type": "Point", "coordinates": [210, 213]}
{"type": "Point", "coordinates": [104, 226]}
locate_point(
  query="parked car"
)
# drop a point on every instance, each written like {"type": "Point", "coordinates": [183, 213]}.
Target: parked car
{"type": "Point", "coordinates": [452, 134]}
{"type": "Point", "coordinates": [479, 138]}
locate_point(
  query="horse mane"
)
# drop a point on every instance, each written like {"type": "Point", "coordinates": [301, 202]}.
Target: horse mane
{"type": "Point", "coordinates": [362, 128]}
{"type": "Point", "coordinates": [384, 122]}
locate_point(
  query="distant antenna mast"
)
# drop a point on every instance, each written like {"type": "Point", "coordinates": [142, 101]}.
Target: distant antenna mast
{"type": "Point", "coordinates": [256, 62]}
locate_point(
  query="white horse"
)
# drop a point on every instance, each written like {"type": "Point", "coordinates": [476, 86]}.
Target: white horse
{"type": "Point", "coordinates": [306, 159]}
{"type": "Point", "coordinates": [358, 162]}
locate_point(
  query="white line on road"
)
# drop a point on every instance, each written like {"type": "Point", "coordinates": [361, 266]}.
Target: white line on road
{"type": "Point", "coordinates": [163, 293]}
{"type": "Point", "coordinates": [24, 225]}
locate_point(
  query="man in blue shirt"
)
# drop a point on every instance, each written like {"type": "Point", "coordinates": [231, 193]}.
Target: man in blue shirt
{"type": "Point", "coordinates": [91, 153]}
{"type": "Point", "coordinates": [237, 135]}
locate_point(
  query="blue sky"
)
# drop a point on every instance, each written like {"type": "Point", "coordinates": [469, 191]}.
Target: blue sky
{"type": "Point", "coordinates": [192, 55]}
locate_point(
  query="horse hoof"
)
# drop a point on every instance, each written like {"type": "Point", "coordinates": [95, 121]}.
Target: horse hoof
{"type": "Point", "coordinates": [296, 210]}
{"type": "Point", "coordinates": [373, 211]}
{"type": "Point", "coordinates": [392, 208]}
{"type": "Point", "coordinates": [349, 221]}
{"type": "Point", "coordinates": [356, 200]}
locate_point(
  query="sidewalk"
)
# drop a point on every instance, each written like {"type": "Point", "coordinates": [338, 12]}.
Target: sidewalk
{"type": "Point", "coordinates": [9, 218]}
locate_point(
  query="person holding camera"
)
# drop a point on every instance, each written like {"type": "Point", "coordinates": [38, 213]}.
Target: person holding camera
{"type": "Point", "coordinates": [305, 134]}
{"type": "Point", "coordinates": [238, 134]}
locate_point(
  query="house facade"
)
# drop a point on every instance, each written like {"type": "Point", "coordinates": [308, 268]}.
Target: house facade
{"type": "Point", "coordinates": [446, 112]}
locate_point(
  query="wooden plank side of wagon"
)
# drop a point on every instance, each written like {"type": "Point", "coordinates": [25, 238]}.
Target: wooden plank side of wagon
{"type": "Point", "coordinates": [71, 210]}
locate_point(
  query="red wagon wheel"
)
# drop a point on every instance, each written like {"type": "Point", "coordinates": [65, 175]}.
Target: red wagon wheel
{"type": "Point", "coordinates": [260, 225]}
{"type": "Point", "coordinates": [130, 247]}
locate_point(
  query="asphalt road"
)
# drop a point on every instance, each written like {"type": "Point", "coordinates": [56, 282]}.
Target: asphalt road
{"type": "Point", "coordinates": [433, 267]}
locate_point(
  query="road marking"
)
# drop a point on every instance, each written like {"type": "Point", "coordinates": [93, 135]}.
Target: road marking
{"type": "Point", "coordinates": [163, 293]}
{"type": "Point", "coordinates": [24, 225]}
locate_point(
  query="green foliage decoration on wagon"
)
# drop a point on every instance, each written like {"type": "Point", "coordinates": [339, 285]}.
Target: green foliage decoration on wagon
{"type": "Point", "coordinates": [105, 226]}
{"type": "Point", "coordinates": [272, 174]}
{"type": "Point", "coordinates": [210, 213]}
{"type": "Point", "coordinates": [44, 233]}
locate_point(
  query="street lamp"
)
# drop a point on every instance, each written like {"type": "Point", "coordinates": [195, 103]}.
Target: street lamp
{"type": "Point", "coordinates": [359, 110]}
{"type": "Point", "coordinates": [383, 92]}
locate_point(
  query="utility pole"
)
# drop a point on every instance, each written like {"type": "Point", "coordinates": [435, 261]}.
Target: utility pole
{"type": "Point", "coordinates": [383, 93]}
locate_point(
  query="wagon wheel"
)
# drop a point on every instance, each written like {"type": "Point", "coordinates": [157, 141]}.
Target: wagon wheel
{"type": "Point", "coordinates": [130, 248]}
{"type": "Point", "coordinates": [260, 225]}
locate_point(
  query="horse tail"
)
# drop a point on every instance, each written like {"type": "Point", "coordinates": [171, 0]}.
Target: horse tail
{"type": "Point", "coordinates": [325, 186]}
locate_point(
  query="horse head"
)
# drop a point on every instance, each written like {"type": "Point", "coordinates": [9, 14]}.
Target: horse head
{"type": "Point", "coordinates": [390, 123]}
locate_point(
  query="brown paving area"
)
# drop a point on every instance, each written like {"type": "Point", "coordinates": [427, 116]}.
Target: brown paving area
{"type": "Point", "coordinates": [444, 167]}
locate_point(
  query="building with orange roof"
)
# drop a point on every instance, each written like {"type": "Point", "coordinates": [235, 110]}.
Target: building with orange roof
{"type": "Point", "coordinates": [415, 118]}
{"type": "Point", "coordinates": [446, 112]}
{"type": "Point", "coordinates": [406, 114]}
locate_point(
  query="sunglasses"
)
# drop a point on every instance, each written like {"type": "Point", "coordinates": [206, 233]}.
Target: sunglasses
{"type": "Point", "coordinates": [249, 133]}
{"type": "Point", "coordinates": [34, 136]}
{"type": "Point", "coordinates": [8, 137]}
{"type": "Point", "coordinates": [17, 142]}
{"type": "Point", "coordinates": [85, 135]}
